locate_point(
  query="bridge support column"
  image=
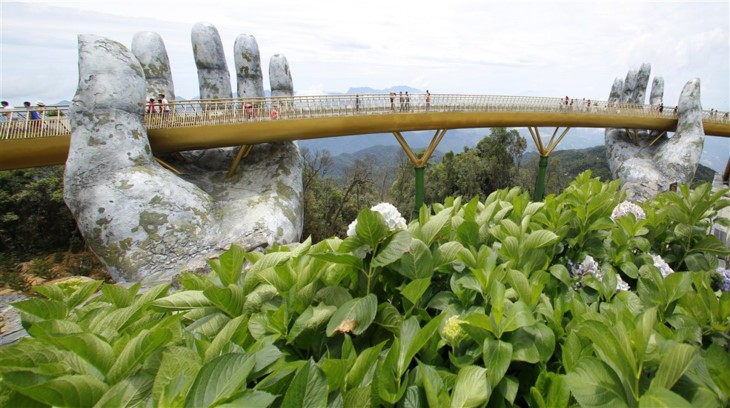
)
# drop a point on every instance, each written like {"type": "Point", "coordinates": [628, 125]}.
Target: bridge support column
{"type": "Point", "coordinates": [544, 153]}
{"type": "Point", "coordinates": [540, 183]}
{"type": "Point", "coordinates": [420, 190]}
{"type": "Point", "coordinates": [419, 164]}
{"type": "Point", "coordinates": [242, 153]}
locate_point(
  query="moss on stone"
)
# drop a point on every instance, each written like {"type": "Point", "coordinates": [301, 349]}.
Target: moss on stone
{"type": "Point", "coordinates": [125, 185]}
{"type": "Point", "coordinates": [151, 221]}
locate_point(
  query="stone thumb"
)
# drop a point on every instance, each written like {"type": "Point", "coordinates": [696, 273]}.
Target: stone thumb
{"type": "Point", "coordinates": [108, 130]}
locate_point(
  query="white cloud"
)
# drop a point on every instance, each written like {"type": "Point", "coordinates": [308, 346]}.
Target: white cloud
{"type": "Point", "coordinates": [548, 48]}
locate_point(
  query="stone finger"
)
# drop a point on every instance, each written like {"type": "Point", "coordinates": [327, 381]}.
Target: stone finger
{"type": "Point", "coordinates": [151, 53]}
{"type": "Point", "coordinates": [214, 80]}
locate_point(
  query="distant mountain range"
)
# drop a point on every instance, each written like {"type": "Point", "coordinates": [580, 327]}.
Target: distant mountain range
{"type": "Point", "coordinates": [571, 161]}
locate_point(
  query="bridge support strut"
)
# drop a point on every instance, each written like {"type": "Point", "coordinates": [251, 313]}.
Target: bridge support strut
{"type": "Point", "coordinates": [544, 154]}
{"type": "Point", "coordinates": [419, 164]}
{"type": "Point", "coordinates": [242, 153]}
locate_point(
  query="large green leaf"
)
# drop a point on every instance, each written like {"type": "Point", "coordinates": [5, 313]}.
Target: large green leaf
{"type": "Point", "coordinates": [389, 318]}
{"type": "Point", "coordinates": [354, 316]}
{"type": "Point", "coordinates": [307, 389]}
{"type": "Point", "coordinates": [551, 389]}
{"type": "Point", "coordinates": [63, 391]}
{"type": "Point", "coordinates": [674, 363]}
{"type": "Point", "coordinates": [371, 228]}
{"type": "Point", "coordinates": [209, 324]}
{"type": "Point", "coordinates": [472, 389]}
{"type": "Point", "coordinates": [270, 260]}
{"type": "Point", "coordinates": [229, 299]}
{"type": "Point", "coordinates": [81, 293]}
{"type": "Point", "coordinates": [136, 350]}
{"type": "Point", "coordinates": [87, 346]}
{"type": "Point", "coordinates": [517, 316]}
{"type": "Point", "coordinates": [657, 397]}
{"type": "Point", "coordinates": [365, 362]}
{"type": "Point", "coordinates": [532, 344]}
{"type": "Point", "coordinates": [393, 249]}
{"type": "Point", "coordinates": [497, 357]}
{"type": "Point", "coordinates": [229, 265]}
{"type": "Point", "coordinates": [222, 339]}
{"type": "Point", "coordinates": [176, 362]}
{"type": "Point", "coordinates": [128, 392]}
{"type": "Point", "coordinates": [446, 253]}
{"type": "Point", "coordinates": [339, 258]}
{"type": "Point", "coordinates": [539, 239]}
{"type": "Point", "coordinates": [435, 227]}
{"type": "Point", "coordinates": [417, 262]}
{"type": "Point", "coordinates": [312, 318]}
{"type": "Point", "coordinates": [43, 308]}
{"type": "Point", "coordinates": [415, 289]}
{"type": "Point", "coordinates": [718, 361]}
{"type": "Point", "coordinates": [219, 380]}
{"type": "Point", "coordinates": [250, 399]}
{"type": "Point", "coordinates": [184, 300]}
{"type": "Point", "coordinates": [594, 384]}
{"type": "Point", "coordinates": [412, 339]}
{"type": "Point", "coordinates": [118, 295]}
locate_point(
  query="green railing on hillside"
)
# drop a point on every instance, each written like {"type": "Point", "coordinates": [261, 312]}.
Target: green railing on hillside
{"type": "Point", "coordinates": [17, 123]}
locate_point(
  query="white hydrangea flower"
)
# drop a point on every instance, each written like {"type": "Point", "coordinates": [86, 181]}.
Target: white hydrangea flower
{"type": "Point", "coordinates": [589, 266]}
{"type": "Point", "coordinates": [627, 207]}
{"type": "Point", "coordinates": [392, 217]}
{"type": "Point", "coordinates": [665, 269]}
{"type": "Point", "coordinates": [351, 229]}
{"type": "Point", "coordinates": [621, 284]}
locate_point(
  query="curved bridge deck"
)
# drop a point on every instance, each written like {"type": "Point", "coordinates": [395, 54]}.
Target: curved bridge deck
{"type": "Point", "coordinates": [201, 124]}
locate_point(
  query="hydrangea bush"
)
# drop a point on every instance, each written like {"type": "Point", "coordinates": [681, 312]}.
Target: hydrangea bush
{"type": "Point", "coordinates": [500, 302]}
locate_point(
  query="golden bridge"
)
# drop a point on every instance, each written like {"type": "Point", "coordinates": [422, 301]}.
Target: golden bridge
{"type": "Point", "coordinates": [204, 124]}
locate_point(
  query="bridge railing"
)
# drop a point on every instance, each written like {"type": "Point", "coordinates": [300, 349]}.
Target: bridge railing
{"type": "Point", "coordinates": [17, 123]}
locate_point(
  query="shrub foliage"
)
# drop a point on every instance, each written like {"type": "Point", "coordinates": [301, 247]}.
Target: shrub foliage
{"type": "Point", "coordinates": [501, 302]}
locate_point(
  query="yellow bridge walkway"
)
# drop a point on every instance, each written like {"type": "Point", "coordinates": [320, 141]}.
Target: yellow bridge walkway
{"type": "Point", "coordinates": [202, 124]}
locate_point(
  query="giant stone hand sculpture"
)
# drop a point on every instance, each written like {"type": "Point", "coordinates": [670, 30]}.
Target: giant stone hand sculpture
{"type": "Point", "coordinates": [647, 168]}
{"type": "Point", "coordinates": [143, 221]}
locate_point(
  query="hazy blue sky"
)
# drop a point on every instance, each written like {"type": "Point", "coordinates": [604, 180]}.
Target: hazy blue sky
{"type": "Point", "coordinates": [540, 48]}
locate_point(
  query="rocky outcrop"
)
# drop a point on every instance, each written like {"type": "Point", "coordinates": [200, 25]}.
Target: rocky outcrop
{"type": "Point", "coordinates": [144, 222]}
{"type": "Point", "coordinates": [214, 81]}
{"type": "Point", "coordinates": [150, 51]}
{"type": "Point", "coordinates": [647, 168]}
{"type": "Point", "coordinates": [247, 58]}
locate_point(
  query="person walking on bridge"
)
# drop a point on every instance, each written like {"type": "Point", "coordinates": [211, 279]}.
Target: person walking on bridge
{"type": "Point", "coordinates": [428, 100]}
{"type": "Point", "coordinates": [408, 101]}
{"type": "Point", "coordinates": [7, 110]}
{"type": "Point", "coordinates": [402, 101]}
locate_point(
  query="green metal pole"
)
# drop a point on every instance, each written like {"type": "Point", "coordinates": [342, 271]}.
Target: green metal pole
{"type": "Point", "coordinates": [419, 188]}
{"type": "Point", "coordinates": [540, 185]}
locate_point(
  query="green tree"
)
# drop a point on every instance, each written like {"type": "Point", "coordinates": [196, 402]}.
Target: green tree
{"type": "Point", "coordinates": [34, 219]}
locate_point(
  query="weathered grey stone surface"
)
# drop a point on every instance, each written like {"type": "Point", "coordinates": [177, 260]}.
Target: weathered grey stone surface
{"type": "Point", "coordinates": [280, 76]}
{"type": "Point", "coordinates": [150, 51]}
{"type": "Point", "coordinates": [248, 67]}
{"type": "Point", "coordinates": [214, 80]}
{"type": "Point", "coordinates": [657, 91]}
{"type": "Point", "coordinates": [647, 169]}
{"type": "Point", "coordinates": [144, 222]}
